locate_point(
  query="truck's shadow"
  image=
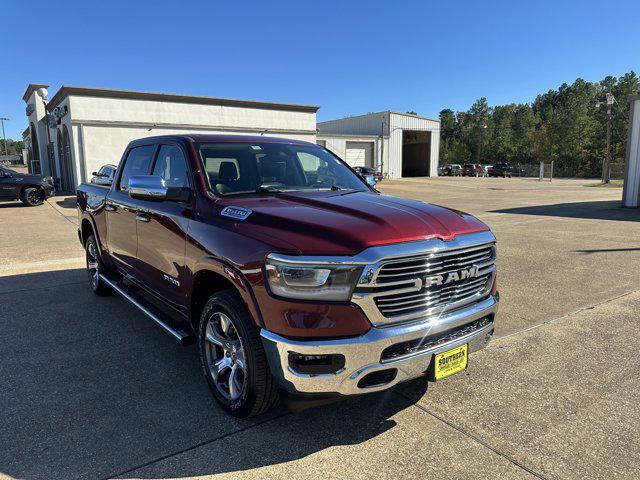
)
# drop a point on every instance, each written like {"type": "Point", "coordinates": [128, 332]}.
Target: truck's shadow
{"type": "Point", "coordinates": [598, 210]}
{"type": "Point", "coordinates": [92, 389]}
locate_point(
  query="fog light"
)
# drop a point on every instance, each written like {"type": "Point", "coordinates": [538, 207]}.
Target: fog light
{"type": "Point", "coordinates": [377, 379]}
{"type": "Point", "coordinates": [316, 364]}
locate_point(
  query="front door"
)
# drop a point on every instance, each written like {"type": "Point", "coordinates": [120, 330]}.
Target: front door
{"type": "Point", "coordinates": [162, 231]}
{"type": "Point", "coordinates": [122, 210]}
{"type": "Point", "coordinates": [8, 186]}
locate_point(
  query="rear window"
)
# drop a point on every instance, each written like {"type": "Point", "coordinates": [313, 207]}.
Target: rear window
{"type": "Point", "coordinates": [138, 162]}
{"type": "Point", "coordinates": [469, 165]}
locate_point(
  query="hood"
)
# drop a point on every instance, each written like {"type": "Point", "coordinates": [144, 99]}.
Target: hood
{"type": "Point", "coordinates": [345, 223]}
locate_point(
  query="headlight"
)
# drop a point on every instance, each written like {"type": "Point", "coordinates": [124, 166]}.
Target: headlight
{"type": "Point", "coordinates": [312, 281]}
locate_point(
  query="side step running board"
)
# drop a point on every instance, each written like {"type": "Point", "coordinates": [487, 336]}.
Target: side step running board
{"type": "Point", "coordinates": [184, 337]}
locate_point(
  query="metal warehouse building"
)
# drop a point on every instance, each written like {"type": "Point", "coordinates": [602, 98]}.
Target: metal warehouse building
{"type": "Point", "coordinates": [80, 129]}
{"type": "Point", "coordinates": [397, 144]}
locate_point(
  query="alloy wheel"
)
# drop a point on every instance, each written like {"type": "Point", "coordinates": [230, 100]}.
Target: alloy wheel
{"type": "Point", "coordinates": [92, 265]}
{"type": "Point", "coordinates": [225, 356]}
{"type": "Point", "coordinates": [34, 197]}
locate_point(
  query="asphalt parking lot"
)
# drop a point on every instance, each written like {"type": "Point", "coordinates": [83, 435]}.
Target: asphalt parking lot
{"type": "Point", "coordinates": [91, 389]}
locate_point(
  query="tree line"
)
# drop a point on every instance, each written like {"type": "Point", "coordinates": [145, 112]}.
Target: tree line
{"type": "Point", "coordinates": [14, 147]}
{"type": "Point", "coordinates": [565, 126]}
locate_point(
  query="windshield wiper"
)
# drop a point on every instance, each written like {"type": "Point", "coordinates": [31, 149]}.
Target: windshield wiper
{"type": "Point", "coordinates": [335, 187]}
{"type": "Point", "coordinates": [249, 192]}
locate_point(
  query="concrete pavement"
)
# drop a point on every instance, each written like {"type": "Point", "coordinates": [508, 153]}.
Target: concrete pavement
{"type": "Point", "coordinates": [91, 389]}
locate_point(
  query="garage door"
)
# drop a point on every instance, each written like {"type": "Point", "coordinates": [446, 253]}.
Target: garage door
{"type": "Point", "coordinates": [360, 154]}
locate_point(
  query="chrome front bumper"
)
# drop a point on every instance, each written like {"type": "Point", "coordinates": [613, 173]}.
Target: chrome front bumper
{"type": "Point", "coordinates": [363, 355]}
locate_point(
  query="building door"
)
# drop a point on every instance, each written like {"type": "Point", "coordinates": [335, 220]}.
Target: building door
{"type": "Point", "coordinates": [34, 153]}
{"type": "Point", "coordinates": [67, 182]}
{"type": "Point", "coordinates": [359, 154]}
{"type": "Point", "coordinates": [416, 153]}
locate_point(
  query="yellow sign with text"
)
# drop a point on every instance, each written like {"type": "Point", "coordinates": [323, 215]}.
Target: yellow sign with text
{"type": "Point", "coordinates": [450, 362]}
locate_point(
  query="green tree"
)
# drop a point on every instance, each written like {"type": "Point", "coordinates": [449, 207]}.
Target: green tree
{"type": "Point", "coordinates": [447, 131]}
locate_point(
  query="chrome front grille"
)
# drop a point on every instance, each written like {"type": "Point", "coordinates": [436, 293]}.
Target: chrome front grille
{"type": "Point", "coordinates": [426, 283]}
{"type": "Point", "coordinates": [409, 269]}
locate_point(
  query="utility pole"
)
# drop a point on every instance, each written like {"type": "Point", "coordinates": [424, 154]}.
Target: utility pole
{"type": "Point", "coordinates": [606, 161]}
{"type": "Point", "coordinates": [2, 119]}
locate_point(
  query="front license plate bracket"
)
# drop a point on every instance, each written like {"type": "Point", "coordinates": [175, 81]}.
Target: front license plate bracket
{"type": "Point", "coordinates": [449, 362]}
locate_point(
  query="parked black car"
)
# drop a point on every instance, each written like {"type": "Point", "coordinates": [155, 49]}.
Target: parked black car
{"type": "Point", "coordinates": [451, 170]}
{"type": "Point", "coordinates": [501, 170]}
{"type": "Point", "coordinates": [30, 189]}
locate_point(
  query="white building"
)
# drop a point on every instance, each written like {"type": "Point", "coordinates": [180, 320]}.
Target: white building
{"type": "Point", "coordinates": [90, 127]}
{"type": "Point", "coordinates": [631, 190]}
{"type": "Point", "coordinates": [397, 144]}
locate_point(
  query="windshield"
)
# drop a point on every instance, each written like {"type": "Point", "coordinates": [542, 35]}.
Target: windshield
{"type": "Point", "coordinates": [235, 168]}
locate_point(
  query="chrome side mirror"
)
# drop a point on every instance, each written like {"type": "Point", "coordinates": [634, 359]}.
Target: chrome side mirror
{"type": "Point", "coordinates": [149, 187]}
{"type": "Point", "coordinates": [153, 187]}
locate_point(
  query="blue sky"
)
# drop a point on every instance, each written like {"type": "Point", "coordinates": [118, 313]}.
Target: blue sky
{"type": "Point", "coordinates": [347, 57]}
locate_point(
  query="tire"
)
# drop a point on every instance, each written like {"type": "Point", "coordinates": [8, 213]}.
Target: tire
{"type": "Point", "coordinates": [229, 342]}
{"type": "Point", "coordinates": [95, 267]}
{"type": "Point", "coordinates": [32, 196]}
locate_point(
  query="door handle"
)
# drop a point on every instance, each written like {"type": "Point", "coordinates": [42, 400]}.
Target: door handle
{"type": "Point", "coordinates": [110, 207]}
{"type": "Point", "coordinates": [143, 217]}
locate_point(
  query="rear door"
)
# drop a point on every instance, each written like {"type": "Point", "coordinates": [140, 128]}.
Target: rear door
{"type": "Point", "coordinates": [162, 230]}
{"type": "Point", "coordinates": [122, 210]}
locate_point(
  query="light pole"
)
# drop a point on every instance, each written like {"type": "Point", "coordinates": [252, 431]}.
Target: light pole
{"type": "Point", "coordinates": [606, 161]}
{"type": "Point", "coordinates": [43, 93]}
{"type": "Point", "coordinates": [2, 119]}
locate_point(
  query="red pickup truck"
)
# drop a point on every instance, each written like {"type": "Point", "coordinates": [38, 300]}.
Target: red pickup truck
{"type": "Point", "coordinates": [292, 275]}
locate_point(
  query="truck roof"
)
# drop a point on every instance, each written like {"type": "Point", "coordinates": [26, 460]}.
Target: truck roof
{"type": "Point", "coordinates": [203, 137]}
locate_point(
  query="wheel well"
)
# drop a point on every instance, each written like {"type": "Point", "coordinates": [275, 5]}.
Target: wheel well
{"type": "Point", "coordinates": [205, 284]}
{"type": "Point", "coordinates": [87, 229]}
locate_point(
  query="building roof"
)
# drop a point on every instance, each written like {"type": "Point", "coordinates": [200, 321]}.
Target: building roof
{"type": "Point", "coordinates": [26, 132]}
{"type": "Point", "coordinates": [395, 112]}
{"type": "Point", "coordinates": [32, 88]}
{"type": "Point", "coordinates": [349, 135]}
{"type": "Point", "coordinates": [66, 91]}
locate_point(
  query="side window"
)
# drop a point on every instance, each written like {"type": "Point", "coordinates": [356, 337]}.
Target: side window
{"type": "Point", "coordinates": [172, 166]}
{"type": "Point", "coordinates": [137, 163]}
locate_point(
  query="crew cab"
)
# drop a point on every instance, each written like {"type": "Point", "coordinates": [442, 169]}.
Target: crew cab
{"type": "Point", "coordinates": [294, 277]}
{"type": "Point", "coordinates": [30, 189]}
{"type": "Point", "coordinates": [503, 170]}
